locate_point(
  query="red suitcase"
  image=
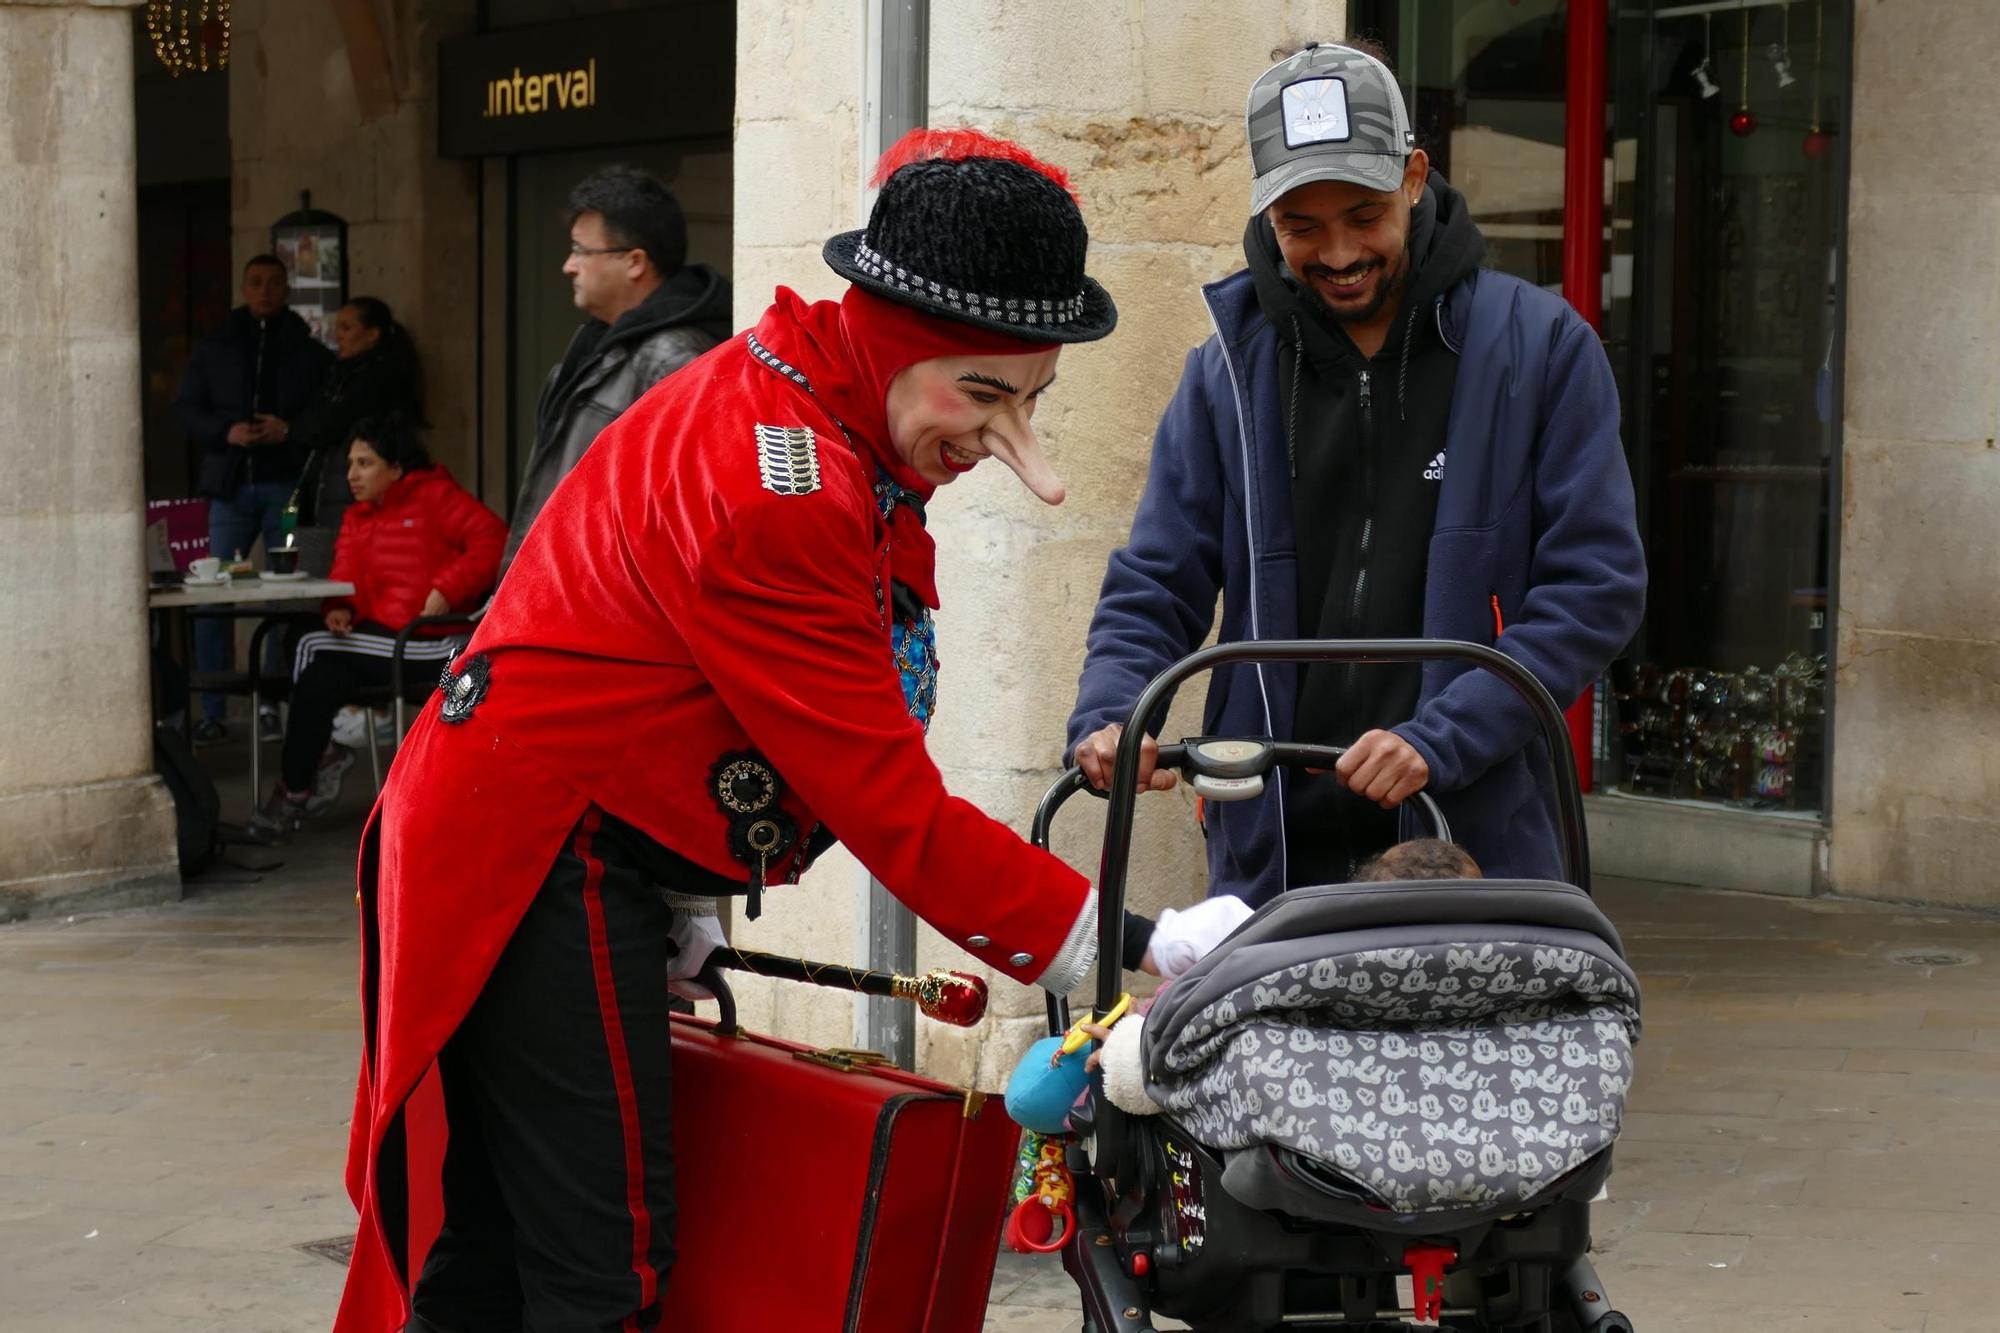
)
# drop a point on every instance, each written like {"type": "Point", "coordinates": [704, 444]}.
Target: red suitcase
{"type": "Point", "coordinates": [826, 1192]}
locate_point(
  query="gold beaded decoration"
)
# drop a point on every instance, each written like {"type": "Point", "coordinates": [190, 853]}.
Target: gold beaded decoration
{"type": "Point", "coordinates": [189, 36]}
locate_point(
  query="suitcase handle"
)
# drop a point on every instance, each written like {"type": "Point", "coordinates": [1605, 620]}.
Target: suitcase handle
{"type": "Point", "coordinates": [710, 978]}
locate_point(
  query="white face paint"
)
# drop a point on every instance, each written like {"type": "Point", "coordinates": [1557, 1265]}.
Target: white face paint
{"type": "Point", "coordinates": [949, 414]}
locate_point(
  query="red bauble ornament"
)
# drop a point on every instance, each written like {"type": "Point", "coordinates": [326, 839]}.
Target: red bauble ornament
{"type": "Point", "coordinates": [1817, 145]}
{"type": "Point", "coordinates": [1742, 124]}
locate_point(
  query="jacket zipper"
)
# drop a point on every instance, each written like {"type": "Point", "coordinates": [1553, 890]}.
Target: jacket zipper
{"type": "Point", "coordinates": [256, 402]}
{"type": "Point", "coordinates": [1359, 593]}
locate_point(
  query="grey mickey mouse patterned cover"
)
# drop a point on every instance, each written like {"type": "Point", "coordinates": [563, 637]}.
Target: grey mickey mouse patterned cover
{"type": "Point", "coordinates": [1438, 1046]}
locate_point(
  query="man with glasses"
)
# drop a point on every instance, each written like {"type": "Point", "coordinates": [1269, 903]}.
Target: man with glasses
{"type": "Point", "coordinates": [649, 313]}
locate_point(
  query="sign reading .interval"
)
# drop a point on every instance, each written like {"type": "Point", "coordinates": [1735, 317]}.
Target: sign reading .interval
{"type": "Point", "coordinates": [532, 94]}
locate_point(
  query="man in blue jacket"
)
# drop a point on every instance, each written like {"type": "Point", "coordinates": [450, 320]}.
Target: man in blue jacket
{"type": "Point", "coordinates": [1381, 440]}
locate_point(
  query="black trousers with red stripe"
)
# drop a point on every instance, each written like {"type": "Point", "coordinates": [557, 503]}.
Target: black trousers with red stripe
{"type": "Point", "coordinates": [559, 1172]}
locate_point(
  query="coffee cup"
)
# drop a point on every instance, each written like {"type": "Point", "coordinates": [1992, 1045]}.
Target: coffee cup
{"type": "Point", "coordinates": [281, 560]}
{"type": "Point", "coordinates": [204, 567]}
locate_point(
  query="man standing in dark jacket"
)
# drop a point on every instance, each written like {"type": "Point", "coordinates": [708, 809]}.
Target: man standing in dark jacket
{"type": "Point", "coordinates": [650, 313]}
{"type": "Point", "coordinates": [243, 387]}
{"type": "Point", "coordinates": [1383, 440]}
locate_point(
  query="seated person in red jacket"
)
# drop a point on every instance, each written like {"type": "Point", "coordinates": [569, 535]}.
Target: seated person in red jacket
{"type": "Point", "coordinates": [414, 543]}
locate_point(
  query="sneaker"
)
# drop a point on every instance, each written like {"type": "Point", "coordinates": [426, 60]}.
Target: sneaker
{"type": "Point", "coordinates": [350, 727]}
{"type": "Point", "coordinates": [333, 766]}
{"type": "Point", "coordinates": [210, 731]}
{"type": "Point", "coordinates": [281, 812]}
{"type": "Point", "coordinates": [270, 727]}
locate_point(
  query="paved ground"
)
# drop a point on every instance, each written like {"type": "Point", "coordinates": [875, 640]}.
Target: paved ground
{"type": "Point", "coordinates": [1810, 1145]}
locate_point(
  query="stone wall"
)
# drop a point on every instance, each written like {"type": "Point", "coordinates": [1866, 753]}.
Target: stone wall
{"type": "Point", "coordinates": [1142, 102]}
{"type": "Point", "coordinates": [83, 821]}
{"type": "Point", "coordinates": [1917, 686]}
{"type": "Point", "coordinates": [339, 97]}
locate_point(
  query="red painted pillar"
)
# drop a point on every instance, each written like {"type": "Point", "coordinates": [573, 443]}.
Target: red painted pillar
{"type": "Point", "coordinates": [1583, 236]}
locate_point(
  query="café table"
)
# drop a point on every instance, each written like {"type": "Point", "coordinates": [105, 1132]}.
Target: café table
{"type": "Point", "coordinates": [244, 591]}
{"type": "Point", "coordinates": [236, 598]}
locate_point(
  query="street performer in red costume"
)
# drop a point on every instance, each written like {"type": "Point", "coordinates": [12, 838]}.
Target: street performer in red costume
{"type": "Point", "coordinates": [712, 656]}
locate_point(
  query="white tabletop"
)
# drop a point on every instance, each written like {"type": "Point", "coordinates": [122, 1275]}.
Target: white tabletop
{"type": "Point", "coordinates": [240, 591]}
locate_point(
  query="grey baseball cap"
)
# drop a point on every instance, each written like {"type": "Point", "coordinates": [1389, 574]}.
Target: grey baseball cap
{"type": "Point", "coordinates": [1329, 113]}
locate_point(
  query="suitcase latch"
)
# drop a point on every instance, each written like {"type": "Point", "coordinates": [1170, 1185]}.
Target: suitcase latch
{"type": "Point", "coordinates": [845, 1059]}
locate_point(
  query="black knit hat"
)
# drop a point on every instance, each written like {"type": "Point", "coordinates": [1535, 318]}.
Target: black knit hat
{"type": "Point", "coordinates": [973, 229]}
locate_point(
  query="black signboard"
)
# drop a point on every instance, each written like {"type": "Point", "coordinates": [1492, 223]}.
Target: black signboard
{"type": "Point", "coordinates": [632, 77]}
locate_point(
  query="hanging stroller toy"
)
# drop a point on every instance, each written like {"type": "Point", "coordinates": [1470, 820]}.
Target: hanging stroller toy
{"type": "Point", "coordinates": [1365, 1085]}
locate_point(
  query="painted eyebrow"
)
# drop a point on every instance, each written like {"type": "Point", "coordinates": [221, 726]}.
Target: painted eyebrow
{"type": "Point", "coordinates": [990, 381]}
{"type": "Point", "coordinates": [1045, 384]}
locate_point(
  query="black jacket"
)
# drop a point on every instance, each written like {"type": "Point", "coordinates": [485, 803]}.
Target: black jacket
{"type": "Point", "coordinates": [1365, 441]}
{"type": "Point", "coordinates": [605, 370]}
{"type": "Point", "coordinates": [376, 382]}
{"type": "Point", "coordinates": [245, 367]}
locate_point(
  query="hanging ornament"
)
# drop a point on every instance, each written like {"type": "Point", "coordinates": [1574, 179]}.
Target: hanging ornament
{"type": "Point", "coordinates": [1818, 143]}
{"type": "Point", "coordinates": [1703, 74]}
{"type": "Point", "coordinates": [189, 36]}
{"type": "Point", "coordinates": [1780, 51]}
{"type": "Point", "coordinates": [1743, 124]}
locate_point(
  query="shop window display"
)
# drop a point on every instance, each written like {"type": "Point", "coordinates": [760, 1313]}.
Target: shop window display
{"type": "Point", "coordinates": [1725, 189]}
{"type": "Point", "coordinates": [1727, 347]}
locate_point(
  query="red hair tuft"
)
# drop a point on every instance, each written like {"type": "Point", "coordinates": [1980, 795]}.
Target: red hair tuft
{"type": "Point", "coordinates": [956, 146]}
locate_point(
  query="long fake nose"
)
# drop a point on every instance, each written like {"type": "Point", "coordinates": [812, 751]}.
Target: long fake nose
{"type": "Point", "coordinates": [1011, 439]}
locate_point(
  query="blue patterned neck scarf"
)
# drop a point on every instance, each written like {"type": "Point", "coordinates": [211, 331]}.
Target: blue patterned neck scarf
{"type": "Point", "coordinates": [912, 639]}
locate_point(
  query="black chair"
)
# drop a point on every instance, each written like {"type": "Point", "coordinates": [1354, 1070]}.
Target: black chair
{"type": "Point", "coordinates": [260, 688]}
{"type": "Point", "coordinates": [393, 695]}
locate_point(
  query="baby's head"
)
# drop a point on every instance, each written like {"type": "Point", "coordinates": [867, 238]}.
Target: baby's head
{"type": "Point", "coordinates": [1419, 858]}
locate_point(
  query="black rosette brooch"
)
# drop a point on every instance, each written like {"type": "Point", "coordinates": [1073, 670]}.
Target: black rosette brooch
{"type": "Point", "coordinates": [463, 686]}
{"type": "Point", "coordinates": [746, 789]}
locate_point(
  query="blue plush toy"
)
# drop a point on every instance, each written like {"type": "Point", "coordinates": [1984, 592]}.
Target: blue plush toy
{"type": "Point", "coordinates": [1051, 1076]}
{"type": "Point", "coordinates": [1039, 1094]}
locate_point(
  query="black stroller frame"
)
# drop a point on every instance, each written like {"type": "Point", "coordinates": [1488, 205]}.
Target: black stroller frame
{"type": "Point", "coordinates": [1255, 1271]}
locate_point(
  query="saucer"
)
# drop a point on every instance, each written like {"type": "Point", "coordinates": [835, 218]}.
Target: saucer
{"type": "Point", "coordinates": [292, 577]}
{"type": "Point", "coordinates": [217, 581]}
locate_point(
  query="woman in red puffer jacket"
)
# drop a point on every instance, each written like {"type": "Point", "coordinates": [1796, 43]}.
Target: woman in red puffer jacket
{"type": "Point", "coordinates": [414, 543]}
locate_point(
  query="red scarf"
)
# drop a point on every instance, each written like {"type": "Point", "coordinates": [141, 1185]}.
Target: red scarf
{"type": "Point", "coordinates": [849, 350]}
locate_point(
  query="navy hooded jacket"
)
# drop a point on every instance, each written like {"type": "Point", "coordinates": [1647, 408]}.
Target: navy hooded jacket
{"type": "Point", "coordinates": [1535, 510]}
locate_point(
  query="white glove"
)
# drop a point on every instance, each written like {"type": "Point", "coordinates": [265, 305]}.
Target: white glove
{"type": "Point", "coordinates": [1183, 937]}
{"type": "Point", "coordinates": [697, 932]}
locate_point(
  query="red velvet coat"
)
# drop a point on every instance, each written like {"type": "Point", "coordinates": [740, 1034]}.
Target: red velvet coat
{"type": "Point", "coordinates": [673, 603]}
{"type": "Point", "coordinates": [425, 532]}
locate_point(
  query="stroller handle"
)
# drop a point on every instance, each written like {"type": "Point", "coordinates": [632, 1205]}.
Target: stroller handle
{"type": "Point", "coordinates": [1152, 704]}
{"type": "Point", "coordinates": [1282, 754]}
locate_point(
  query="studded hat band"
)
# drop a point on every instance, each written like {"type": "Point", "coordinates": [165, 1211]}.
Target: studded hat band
{"type": "Point", "coordinates": [1029, 310]}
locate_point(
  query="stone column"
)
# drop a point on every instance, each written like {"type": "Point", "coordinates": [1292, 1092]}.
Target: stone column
{"type": "Point", "coordinates": [1917, 683]}
{"type": "Point", "coordinates": [83, 820]}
